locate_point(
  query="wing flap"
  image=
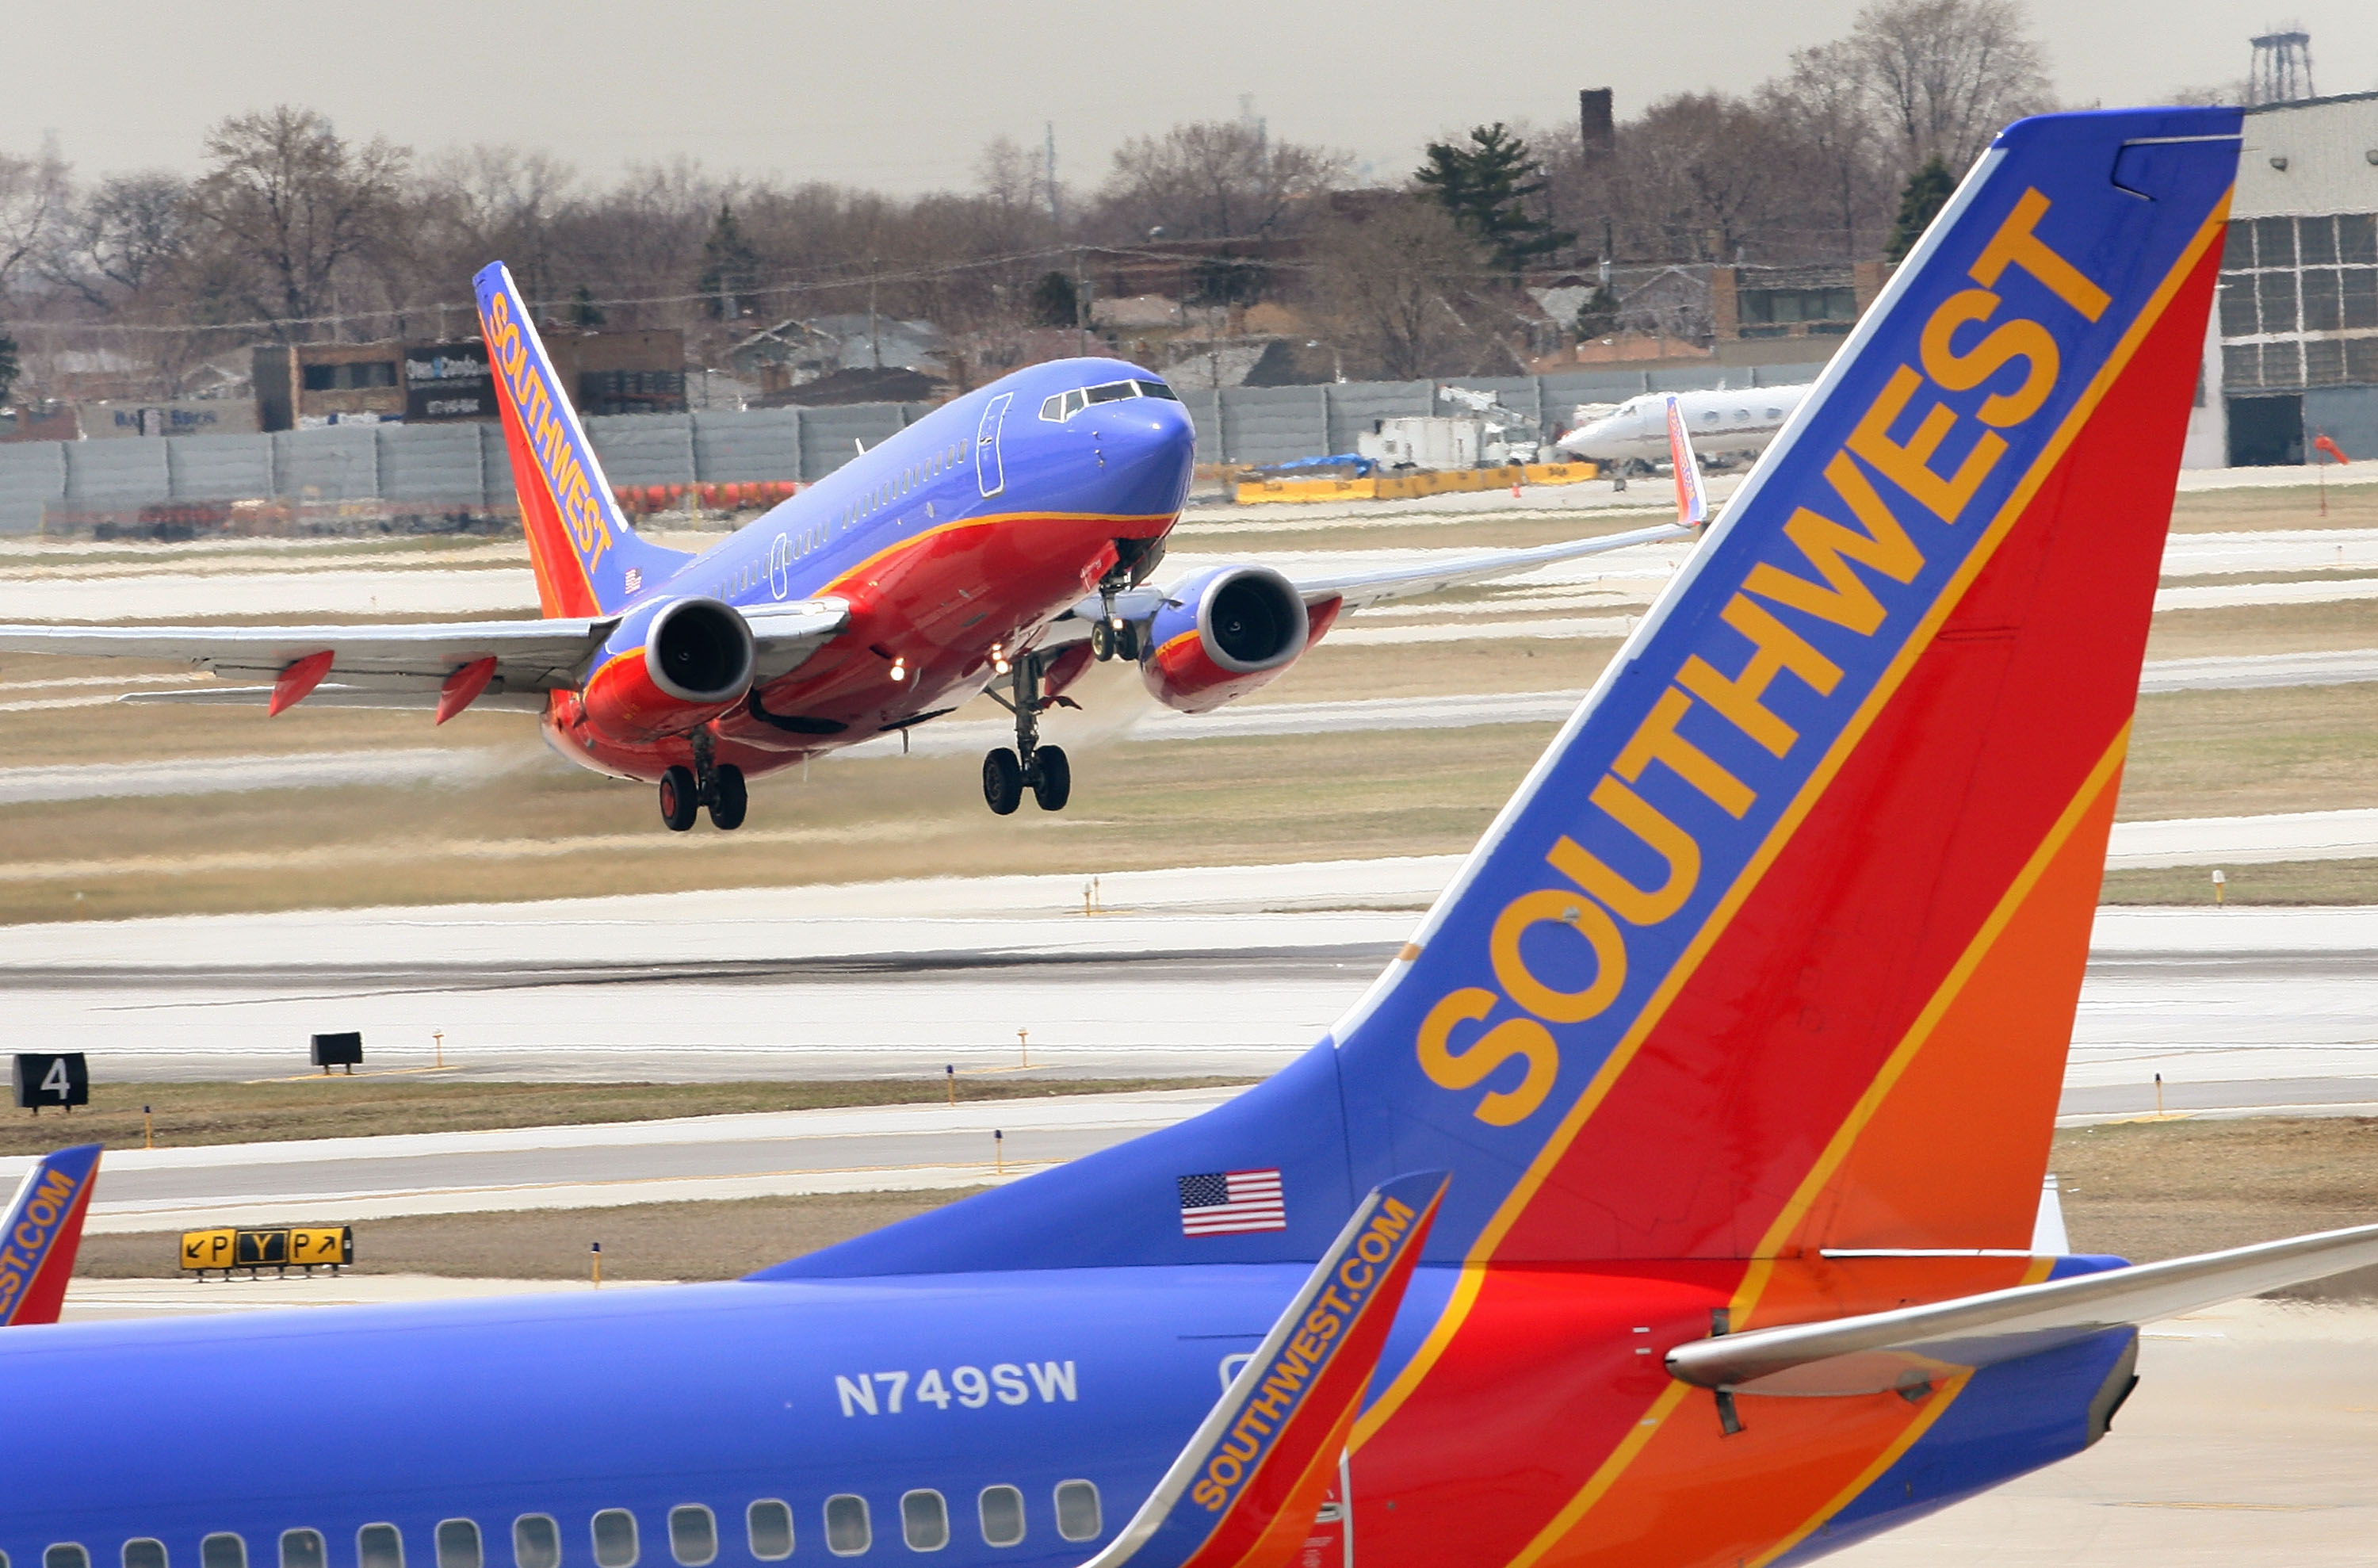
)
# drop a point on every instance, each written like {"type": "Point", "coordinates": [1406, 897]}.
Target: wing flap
{"type": "Point", "coordinates": [1243, 1492]}
{"type": "Point", "coordinates": [1879, 1351]}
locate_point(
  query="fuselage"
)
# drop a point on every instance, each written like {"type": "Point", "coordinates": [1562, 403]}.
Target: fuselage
{"type": "Point", "coordinates": [1738, 421]}
{"type": "Point", "coordinates": [956, 543]}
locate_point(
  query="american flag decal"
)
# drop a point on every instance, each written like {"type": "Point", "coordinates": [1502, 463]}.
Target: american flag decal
{"type": "Point", "coordinates": [1225, 1203]}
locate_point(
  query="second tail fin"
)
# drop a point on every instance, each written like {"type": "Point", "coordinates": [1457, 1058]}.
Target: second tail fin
{"type": "Point", "coordinates": [588, 560]}
{"type": "Point", "coordinates": [42, 1232]}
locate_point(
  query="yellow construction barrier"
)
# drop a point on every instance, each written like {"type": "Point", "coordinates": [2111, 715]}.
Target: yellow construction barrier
{"type": "Point", "coordinates": [1415, 482]}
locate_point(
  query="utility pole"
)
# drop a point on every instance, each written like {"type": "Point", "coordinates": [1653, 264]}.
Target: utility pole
{"type": "Point", "coordinates": [1048, 167]}
{"type": "Point", "coordinates": [1081, 303]}
{"type": "Point", "coordinates": [874, 331]}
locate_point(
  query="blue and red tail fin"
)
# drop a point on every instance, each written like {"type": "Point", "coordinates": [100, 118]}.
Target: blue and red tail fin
{"type": "Point", "coordinates": [42, 1232]}
{"type": "Point", "coordinates": [588, 560]}
{"type": "Point", "coordinates": [1777, 947]}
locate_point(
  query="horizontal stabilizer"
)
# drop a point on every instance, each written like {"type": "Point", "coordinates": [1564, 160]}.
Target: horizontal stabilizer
{"type": "Point", "coordinates": [1912, 1345]}
{"type": "Point", "coordinates": [41, 1232]}
{"type": "Point", "coordinates": [1243, 1492]}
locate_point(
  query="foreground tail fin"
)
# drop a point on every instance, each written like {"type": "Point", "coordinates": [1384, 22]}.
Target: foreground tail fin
{"type": "Point", "coordinates": [39, 1235]}
{"type": "Point", "coordinates": [588, 560]}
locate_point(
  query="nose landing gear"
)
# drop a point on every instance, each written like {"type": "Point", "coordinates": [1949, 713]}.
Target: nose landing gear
{"type": "Point", "coordinates": [1043, 769]}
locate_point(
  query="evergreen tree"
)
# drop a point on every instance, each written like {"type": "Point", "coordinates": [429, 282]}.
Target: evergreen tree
{"type": "Point", "coordinates": [583, 311]}
{"type": "Point", "coordinates": [729, 265]}
{"type": "Point", "coordinates": [1485, 186]}
{"type": "Point", "coordinates": [1598, 317]}
{"type": "Point", "coordinates": [8, 366]}
{"type": "Point", "coordinates": [1928, 190]}
{"type": "Point", "coordinates": [1054, 302]}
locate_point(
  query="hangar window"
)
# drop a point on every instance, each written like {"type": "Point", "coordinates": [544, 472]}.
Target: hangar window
{"type": "Point", "coordinates": [615, 1539]}
{"type": "Point", "coordinates": [223, 1550]}
{"type": "Point", "coordinates": [301, 1549]}
{"type": "Point", "coordinates": [1002, 1515]}
{"type": "Point", "coordinates": [458, 1544]}
{"type": "Point", "coordinates": [536, 1542]}
{"type": "Point", "coordinates": [144, 1553]}
{"type": "Point", "coordinates": [770, 1524]}
{"type": "Point", "coordinates": [693, 1535]}
{"type": "Point", "coordinates": [1077, 1509]}
{"type": "Point", "coordinates": [66, 1554]}
{"type": "Point", "coordinates": [847, 1532]}
{"type": "Point", "coordinates": [380, 1546]}
{"type": "Point", "coordinates": [924, 1520]}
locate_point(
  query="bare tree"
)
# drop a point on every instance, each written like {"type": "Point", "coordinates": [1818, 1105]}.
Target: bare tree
{"type": "Point", "coordinates": [285, 197]}
{"type": "Point", "coordinates": [1830, 148]}
{"type": "Point", "coordinates": [116, 243]}
{"type": "Point", "coordinates": [1214, 179]}
{"type": "Point", "coordinates": [1947, 73]}
{"type": "Point", "coordinates": [33, 199]}
{"type": "Point", "coordinates": [1383, 282]}
{"type": "Point", "coordinates": [1697, 168]}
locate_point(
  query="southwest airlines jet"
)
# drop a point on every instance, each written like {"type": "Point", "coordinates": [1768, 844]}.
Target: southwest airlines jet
{"type": "Point", "coordinates": [1668, 1202]}
{"type": "Point", "coordinates": [1003, 542]}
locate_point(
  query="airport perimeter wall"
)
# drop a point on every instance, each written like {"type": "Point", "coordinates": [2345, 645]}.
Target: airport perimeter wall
{"type": "Point", "coordinates": [462, 467]}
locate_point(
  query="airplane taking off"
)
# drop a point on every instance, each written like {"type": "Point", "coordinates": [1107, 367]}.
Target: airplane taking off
{"type": "Point", "coordinates": [1739, 421]}
{"type": "Point", "coordinates": [1003, 542]}
{"type": "Point", "coordinates": [1669, 1201]}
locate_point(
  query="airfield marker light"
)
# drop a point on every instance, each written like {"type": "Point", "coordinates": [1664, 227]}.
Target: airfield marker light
{"type": "Point", "coordinates": [147, 1129]}
{"type": "Point", "coordinates": [950, 1073]}
{"type": "Point", "coordinates": [2220, 885]}
{"type": "Point", "coordinates": [597, 1248]}
{"type": "Point", "coordinates": [1024, 1044]}
{"type": "Point", "coordinates": [437, 1038]}
{"type": "Point", "coordinates": [2159, 1096]}
{"type": "Point", "coordinates": [999, 1149]}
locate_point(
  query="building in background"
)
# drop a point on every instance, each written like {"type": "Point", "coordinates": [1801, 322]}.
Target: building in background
{"type": "Point", "coordinates": [303, 386]}
{"type": "Point", "coordinates": [1768, 314]}
{"type": "Point", "coordinates": [2292, 353]}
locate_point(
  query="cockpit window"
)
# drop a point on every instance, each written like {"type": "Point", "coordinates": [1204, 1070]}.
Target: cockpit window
{"type": "Point", "coordinates": [1061, 407]}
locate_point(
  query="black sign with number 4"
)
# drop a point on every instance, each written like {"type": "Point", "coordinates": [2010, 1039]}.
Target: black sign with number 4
{"type": "Point", "coordinates": [43, 1079]}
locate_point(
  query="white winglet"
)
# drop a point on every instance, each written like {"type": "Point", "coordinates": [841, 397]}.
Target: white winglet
{"type": "Point", "coordinates": [1692, 501]}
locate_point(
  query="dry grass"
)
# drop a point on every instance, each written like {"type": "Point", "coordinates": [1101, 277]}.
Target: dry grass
{"type": "Point", "coordinates": [188, 1115]}
{"type": "Point", "coordinates": [2282, 882]}
{"type": "Point", "coordinates": [2240, 629]}
{"type": "Point", "coordinates": [2240, 754]}
{"type": "Point", "coordinates": [2145, 1190]}
{"type": "Point", "coordinates": [2294, 506]}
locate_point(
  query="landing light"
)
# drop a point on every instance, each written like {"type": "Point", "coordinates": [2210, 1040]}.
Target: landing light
{"type": "Point", "coordinates": [900, 669]}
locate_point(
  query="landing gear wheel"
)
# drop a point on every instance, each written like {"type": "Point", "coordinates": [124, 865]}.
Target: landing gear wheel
{"type": "Point", "coordinates": [1102, 641]}
{"type": "Point", "coordinates": [1003, 781]}
{"type": "Point", "coordinates": [728, 799]}
{"type": "Point", "coordinates": [1126, 642]}
{"type": "Point", "coordinates": [1052, 779]}
{"type": "Point", "coordinates": [678, 799]}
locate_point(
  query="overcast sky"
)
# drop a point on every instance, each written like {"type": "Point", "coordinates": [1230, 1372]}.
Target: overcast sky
{"type": "Point", "coordinates": [902, 97]}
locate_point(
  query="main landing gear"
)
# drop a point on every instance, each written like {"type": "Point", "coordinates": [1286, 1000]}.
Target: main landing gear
{"type": "Point", "coordinates": [1042, 769]}
{"type": "Point", "coordinates": [720, 787]}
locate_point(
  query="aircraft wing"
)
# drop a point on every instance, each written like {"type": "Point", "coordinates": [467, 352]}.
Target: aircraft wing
{"type": "Point", "coordinates": [1358, 589]}
{"type": "Point", "coordinates": [1243, 1492]}
{"type": "Point", "coordinates": [406, 663]}
{"type": "Point", "coordinates": [43, 1228]}
{"type": "Point", "coordinates": [1912, 1345]}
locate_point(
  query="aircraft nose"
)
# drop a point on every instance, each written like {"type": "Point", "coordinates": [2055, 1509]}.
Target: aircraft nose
{"type": "Point", "coordinates": [1149, 445]}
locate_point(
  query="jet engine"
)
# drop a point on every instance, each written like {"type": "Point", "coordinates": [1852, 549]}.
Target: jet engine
{"type": "Point", "coordinates": [1223, 635]}
{"type": "Point", "coordinates": [669, 670]}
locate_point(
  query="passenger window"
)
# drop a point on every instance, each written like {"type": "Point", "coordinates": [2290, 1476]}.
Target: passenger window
{"type": "Point", "coordinates": [379, 1546]}
{"type": "Point", "coordinates": [458, 1544]}
{"type": "Point", "coordinates": [223, 1550]}
{"type": "Point", "coordinates": [924, 1520]}
{"type": "Point", "coordinates": [66, 1554]}
{"type": "Point", "coordinates": [301, 1549]}
{"type": "Point", "coordinates": [615, 1539]}
{"type": "Point", "coordinates": [536, 1542]}
{"type": "Point", "coordinates": [1002, 1515]}
{"type": "Point", "coordinates": [693, 1535]}
{"type": "Point", "coordinates": [770, 1525]}
{"type": "Point", "coordinates": [144, 1554]}
{"type": "Point", "coordinates": [1077, 1509]}
{"type": "Point", "coordinates": [846, 1530]}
